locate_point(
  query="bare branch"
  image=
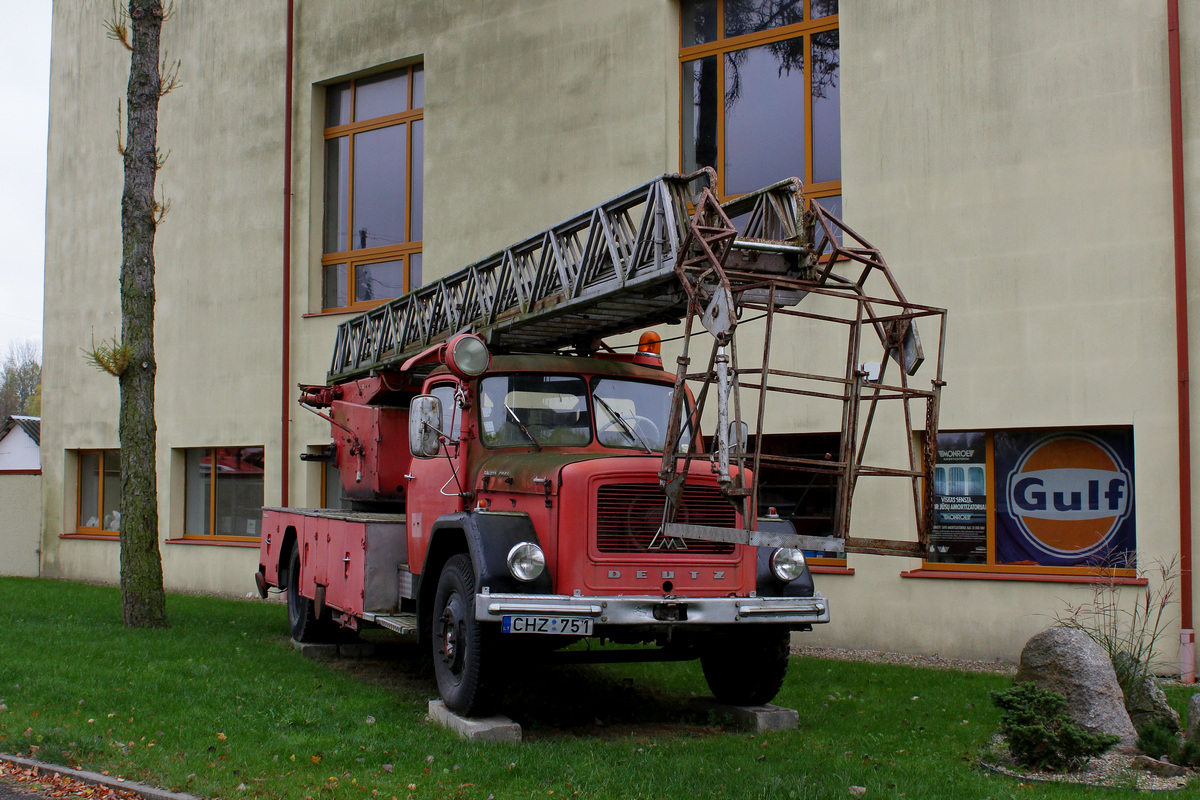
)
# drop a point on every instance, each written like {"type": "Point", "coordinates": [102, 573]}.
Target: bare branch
{"type": "Point", "coordinates": [116, 27]}
{"type": "Point", "coordinates": [120, 141]}
{"type": "Point", "coordinates": [162, 206]}
{"type": "Point", "coordinates": [168, 75]}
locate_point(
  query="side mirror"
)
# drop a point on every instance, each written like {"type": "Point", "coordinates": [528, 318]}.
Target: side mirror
{"type": "Point", "coordinates": [739, 435]}
{"type": "Point", "coordinates": [424, 417]}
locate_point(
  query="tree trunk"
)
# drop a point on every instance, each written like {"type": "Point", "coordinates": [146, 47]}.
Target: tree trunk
{"type": "Point", "coordinates": [142, 597]}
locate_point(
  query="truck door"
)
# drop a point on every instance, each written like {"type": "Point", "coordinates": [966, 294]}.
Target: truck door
{"type": "Point", "coordinates": [438, 483]}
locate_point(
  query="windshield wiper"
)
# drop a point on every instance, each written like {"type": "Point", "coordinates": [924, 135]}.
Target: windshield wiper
{"type": "Point", "coordinates": [629, 431]}
{"type": "Point", "coordinates": [521, 425]}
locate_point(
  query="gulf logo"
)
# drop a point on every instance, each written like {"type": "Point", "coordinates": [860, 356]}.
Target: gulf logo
{"type": "Point", "coordinates": [1069, 493]}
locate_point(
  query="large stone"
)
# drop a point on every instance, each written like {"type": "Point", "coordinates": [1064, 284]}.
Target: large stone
{"type": "Point", "coordinates": [1146, 703]}
{"type": "Point", "coordinates": [1193, 723]}
{"type": "Point", "coordinates": [1067, 661]}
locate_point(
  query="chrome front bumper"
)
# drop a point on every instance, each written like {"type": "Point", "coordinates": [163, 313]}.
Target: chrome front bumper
{"type": "Point", "coordinates": [650, 610]}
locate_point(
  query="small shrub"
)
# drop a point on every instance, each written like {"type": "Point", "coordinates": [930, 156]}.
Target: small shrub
{"type": "Point", "coordinates": [1158, 739]}
{"type": "Point", "coordinates": [1040, 735]}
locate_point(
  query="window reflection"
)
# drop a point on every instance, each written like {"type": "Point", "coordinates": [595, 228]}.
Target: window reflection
{"type": "Point", "coordinates": [381, 95]}
{"type": "Point", "coordinates": [337, 193]}
{"type": "Point", "coordinates": [334, 288]}
{"type": "Point", "coordinates": [418, 181]}
{"type": "Point", "coordinates": [379, 187]}
{"type": "Point", "coordinates": [766, 112]}
{"type": "Point", "coordinates": [337, 105]}
{"type": "Point", "coordinates": [224, 491]}
{"type": "Point", "coordinates": [826, 108]}
{"type": "Point", "coordinates": [380, 281]}
{"type": "Point", "coordinates": [752, 16]}
{"type": "Point", "coordinates": [699, 22]}
{"type": "Point", "coordinates": [701, 114]}
{"type": "Point", "coordinates": [824, 8]}
{"type": "Point", "coordinates": [764, 115]}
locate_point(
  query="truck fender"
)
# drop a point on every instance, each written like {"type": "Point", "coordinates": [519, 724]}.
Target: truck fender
{"type": "Point", "coordinates": [770, 586]}
{"type": "Point", "coordinates": [767, 584]}
{"type": "Point", "coordinates": [488, 537]}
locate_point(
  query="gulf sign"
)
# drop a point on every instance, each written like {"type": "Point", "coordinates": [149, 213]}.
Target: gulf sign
{"type": "Point", "coordinates": [1068, 499]}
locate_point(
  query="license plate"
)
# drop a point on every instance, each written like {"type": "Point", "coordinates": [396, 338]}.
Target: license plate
{"type": "Point", "coordinates": [536, 623]}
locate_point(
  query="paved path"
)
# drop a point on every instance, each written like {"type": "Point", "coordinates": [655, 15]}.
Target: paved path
{"type": "Point", "coordinates": [7, 792]}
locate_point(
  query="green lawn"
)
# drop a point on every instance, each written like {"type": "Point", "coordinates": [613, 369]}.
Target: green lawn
{"type": "Point", "coordinates": [221, 705]}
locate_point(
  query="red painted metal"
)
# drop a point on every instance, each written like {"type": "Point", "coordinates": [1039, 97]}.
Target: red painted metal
{"type": "Point", "coordinates": [1182, 357]}
{"type": "Point", "coordinates": [285, 433]}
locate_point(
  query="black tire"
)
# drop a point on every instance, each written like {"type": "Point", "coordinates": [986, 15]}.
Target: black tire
{"type": "Point", "coordinates": [461, 644]}
{"type": "Point", "coordinates": [304, 624]}
{"type": "Point", "coordinates": [746, 668]}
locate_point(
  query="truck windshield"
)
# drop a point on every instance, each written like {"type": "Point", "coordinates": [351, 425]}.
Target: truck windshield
{"type": "Point", "coordinates": [525, 409]}
{"type": "Point", "coordinates": [633, 414]}
{"type": "Point", "coordinates": [529, 410]}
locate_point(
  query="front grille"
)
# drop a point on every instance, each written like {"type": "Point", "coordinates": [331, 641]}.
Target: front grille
{"type": "Point", "coordinates": [629, 514]}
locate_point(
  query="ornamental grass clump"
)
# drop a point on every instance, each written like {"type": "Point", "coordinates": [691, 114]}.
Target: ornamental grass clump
{"type": "Point", "coordinates": [1129, 628]}
{"type": "Point", "coordinates": [1041, 735]}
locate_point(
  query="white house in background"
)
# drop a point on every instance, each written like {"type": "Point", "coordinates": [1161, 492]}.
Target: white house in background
{"type": "Point", "coordinates": [20, 445]}
{"type": "Point", "coordinates": [20, 496]}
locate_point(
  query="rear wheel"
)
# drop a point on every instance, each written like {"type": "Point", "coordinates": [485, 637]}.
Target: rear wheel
{"type": "Point", "coordinates": [746, 668]}
{"type": "Point", "coordinates": [460, 643]}
{"type": "Point", "coordinates": [302, 620]}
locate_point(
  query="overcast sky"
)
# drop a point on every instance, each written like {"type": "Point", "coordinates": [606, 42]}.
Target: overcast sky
{"type": "Point", "coordinates": [24, 96]}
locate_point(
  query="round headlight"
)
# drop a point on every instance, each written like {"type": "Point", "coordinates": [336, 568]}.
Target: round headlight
{"type": "Point", "coordinates": [526, 561]}
{"type": "Point", "coordinates": [787, 564]}
{"type": "Point", "coordinates": [468, 356]}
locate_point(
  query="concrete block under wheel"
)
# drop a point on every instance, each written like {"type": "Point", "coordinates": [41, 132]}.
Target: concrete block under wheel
{"type": "Point", "coordinates": [478, 729]}
{"type": "Point", "coordinates": [314, 650]}
{"type": "Point", "coordinates": [331, 650]}
{"type": "Point", "coordinates": [750, 718]}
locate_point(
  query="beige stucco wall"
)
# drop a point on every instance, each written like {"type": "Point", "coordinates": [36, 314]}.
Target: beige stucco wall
{"type": "Point", "coordinates": [20, 524]}
{"type": "Point", "coordinates": [1014, 172]}
{"type": "Point", "coordinates": [1018, 175]}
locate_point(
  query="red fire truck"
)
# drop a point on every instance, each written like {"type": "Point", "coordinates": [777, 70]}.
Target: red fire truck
{"type": "Point", "coordinates": [516, 485]}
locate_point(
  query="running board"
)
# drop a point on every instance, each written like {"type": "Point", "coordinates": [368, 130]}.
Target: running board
{"type": "Point", "coordinates": [400, 623]}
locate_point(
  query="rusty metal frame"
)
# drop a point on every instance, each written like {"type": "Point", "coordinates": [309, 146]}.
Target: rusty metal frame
{"type": "Point", "coordinates": [832, 261]}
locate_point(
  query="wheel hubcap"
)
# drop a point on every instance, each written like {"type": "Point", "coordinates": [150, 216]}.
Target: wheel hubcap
{"type": "Point", "coordinates": [450, 634]}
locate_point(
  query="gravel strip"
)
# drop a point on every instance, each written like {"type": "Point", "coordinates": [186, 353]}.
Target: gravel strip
{"type": "Point", "coordinates": [931, 662]}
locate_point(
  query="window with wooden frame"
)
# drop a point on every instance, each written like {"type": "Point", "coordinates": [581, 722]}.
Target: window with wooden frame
{"type": "Point", "coordinates": [223, 493]}
{"type": "Point", "coordinates": [759, 94]}
{"type": "Point", "coordinates": [1034, 502]}
{"type": "Point", "coordinates": [99, 483]}
{"type": "Point", "coordinates": [374, 142]}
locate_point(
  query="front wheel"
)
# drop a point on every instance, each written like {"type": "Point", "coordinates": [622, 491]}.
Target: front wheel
{"type": "Point", "coordinates": [746, 668]}
{"type": "Point", "coordinates": [461, 646]}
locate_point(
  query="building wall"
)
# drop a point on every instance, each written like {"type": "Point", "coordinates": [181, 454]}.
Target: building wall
{"type": "Point", "coordinates": [1014, 172]}
{"type": "Point", "coordinates": [20, 532]}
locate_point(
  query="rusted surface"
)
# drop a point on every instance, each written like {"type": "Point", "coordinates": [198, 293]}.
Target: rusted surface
{"type": "Point", "coordinates": [821, 258]}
